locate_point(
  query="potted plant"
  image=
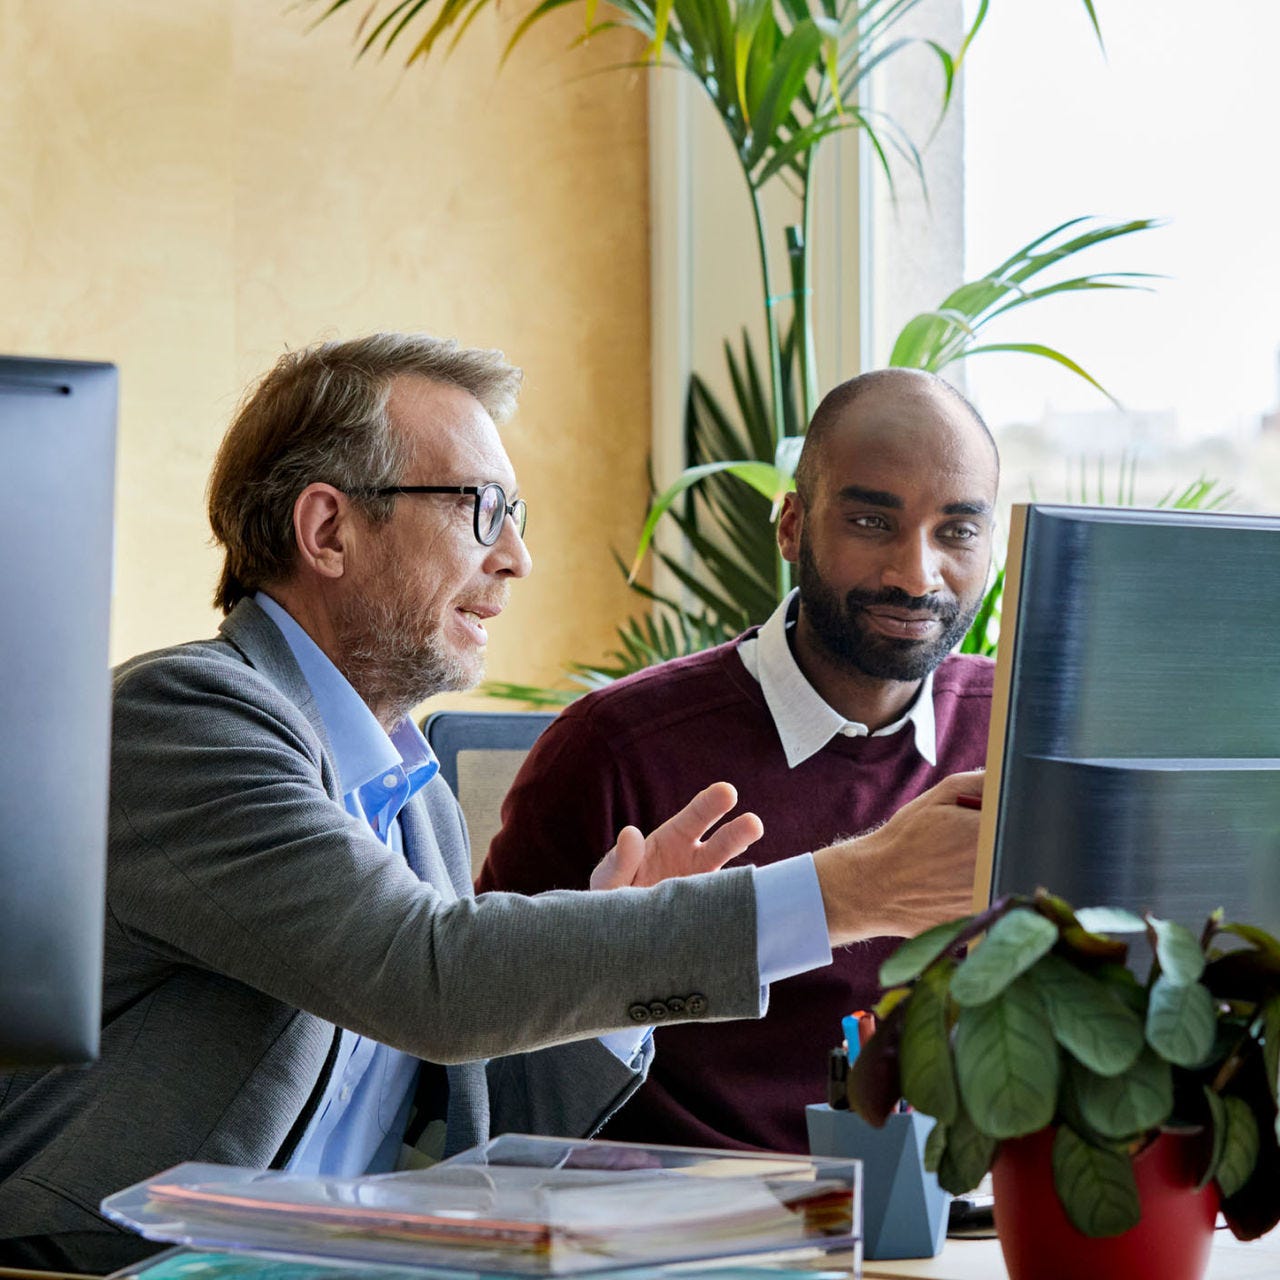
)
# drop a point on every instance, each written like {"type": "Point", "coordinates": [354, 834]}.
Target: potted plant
{"type": "Point", "coordinates": [1141, 1102]}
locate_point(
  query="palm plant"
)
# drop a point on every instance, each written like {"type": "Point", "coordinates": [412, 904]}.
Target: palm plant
{"type": "Point", "coordinates": [782, 76]}
{"type": "Point", "coordinates": [740, 468]}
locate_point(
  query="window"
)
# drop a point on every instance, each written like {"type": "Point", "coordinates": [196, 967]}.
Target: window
{"type": "Point", "coordinates": [1175, 122]}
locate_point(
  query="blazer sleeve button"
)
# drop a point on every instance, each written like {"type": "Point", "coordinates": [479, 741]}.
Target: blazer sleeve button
{"type": "Point", "coordinates": [675, 1005]}
{"type": "Point", "coordinates": [658, 1010]}
{"type": "Point", "coordinates": [638, 1013]}
{"type": "Point", "coordinates": [695, 1005]}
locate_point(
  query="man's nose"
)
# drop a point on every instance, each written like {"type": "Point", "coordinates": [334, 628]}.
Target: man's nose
{"type": "Point", "coordinates": [509, 555]}
{"type": "Point", "coordinates": [914, 565]}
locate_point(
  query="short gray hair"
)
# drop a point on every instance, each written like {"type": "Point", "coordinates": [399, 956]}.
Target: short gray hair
{"type": "Point", "coordinates": [321, 415]}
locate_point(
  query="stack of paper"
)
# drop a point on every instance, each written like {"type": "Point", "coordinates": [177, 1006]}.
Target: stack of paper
{"type": "Point", "coordinates": [564, 1214]}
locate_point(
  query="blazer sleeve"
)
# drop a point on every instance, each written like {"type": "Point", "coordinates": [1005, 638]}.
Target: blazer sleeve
{"type": "Point", "coordinates": [228, 853]}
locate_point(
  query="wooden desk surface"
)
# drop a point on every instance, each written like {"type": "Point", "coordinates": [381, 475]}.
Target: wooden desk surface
{"type": "Point", "coordinates": [981, 1260]}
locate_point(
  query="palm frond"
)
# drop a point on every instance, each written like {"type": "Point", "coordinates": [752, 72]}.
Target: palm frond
{"type": "Point", "coordinates": [940, 337]}
{"type": "Point", "coordinates": [781, 74]}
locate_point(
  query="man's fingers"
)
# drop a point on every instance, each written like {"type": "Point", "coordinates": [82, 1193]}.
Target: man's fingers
{"type": "Point", "coordinates": [618, 867]}
{"type": "Point", "coordinates": [962, 784]}
{"type": "Point", "coordinates": [703, 811]}
{"type": "Point", "coordinates": [729, 841]}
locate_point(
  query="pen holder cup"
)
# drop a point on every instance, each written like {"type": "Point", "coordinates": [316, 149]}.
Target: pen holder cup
{"type": "Point", "coordinates": [904, 1211]}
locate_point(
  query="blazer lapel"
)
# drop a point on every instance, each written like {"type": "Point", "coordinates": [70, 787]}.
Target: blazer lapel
{"type": "Point", "coordinates": [258, 640]}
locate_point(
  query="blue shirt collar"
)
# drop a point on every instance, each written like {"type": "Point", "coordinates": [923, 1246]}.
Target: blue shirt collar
{"type": "Point", "coordinates": [363, 751]}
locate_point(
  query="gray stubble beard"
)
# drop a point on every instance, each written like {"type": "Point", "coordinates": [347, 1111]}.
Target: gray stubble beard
{"type": "Point", "coordinates": [395, 659]}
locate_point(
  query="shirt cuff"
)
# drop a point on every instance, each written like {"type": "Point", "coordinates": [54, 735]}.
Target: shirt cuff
{"type": "Point", "coordinates": [791, 922]}
{"type": "Point", "coordinates": [628, 1044]}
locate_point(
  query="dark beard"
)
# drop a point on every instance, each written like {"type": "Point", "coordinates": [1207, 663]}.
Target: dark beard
{"type": "Point", "coordinates": [837, 626]}
{"type": "Point", "coordinates": [392, 658]}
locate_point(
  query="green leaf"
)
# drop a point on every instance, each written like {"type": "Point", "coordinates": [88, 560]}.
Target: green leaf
{"type": "Point", "coordinates": [1128, 1104]}
{"type": "Point", "coordinates": [1177, 949]}
{"type": "Point", "coordinates": [1259, 938]}
{"type": "Point", "coordinates": [1110, 920]}
{"type": "Point", "coordinates": [1217, 1135]}
{"type": "Point", "coordinates": [980, 638]}
{"type": "Point", "coordinates": [1096, 1186]}
{"type": "Point", "coordinates": [928, 1076]}
{"type": "Point", "coordinates": [1013, 945]}
{"type": "Point", "coordinates": [1007, 1062]}
{"type": "Point", "coordinates": [746, 20]}
{"type": "Point", "coordinates": [529, 694]}
{"type": "Point", "coordinates": [916, 954]}
{"type": "Point", "coordinates": [1181, 1022]}
{"type": "Point", "coordinates": [1094, 947]}
{"type": "Point", "coordinates": [935, 1146]}
{"type": "Point", "coordinates": [1123, 984]}
{"type": "Point", "coordinates": [761, 476]}
{"type": "Point", "coordinates": [1088, 1020]}
{"type": "Point", "coordinates": [1045, 353]}
{"type": "Point", "coordinates": [1240, 1149]}
{"type": "Point", "coordinates": [793, 60]}
{"type": "Point", "coordinates": [1271, 1045]}
{"type": "Point", "coordinates": [967, 1157]}
{"type": "Point", "coordinates": [950, 332]}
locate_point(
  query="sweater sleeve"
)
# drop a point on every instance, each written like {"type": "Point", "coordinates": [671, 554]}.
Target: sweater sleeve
{"type": "Point", "coordinates": [562, 814]}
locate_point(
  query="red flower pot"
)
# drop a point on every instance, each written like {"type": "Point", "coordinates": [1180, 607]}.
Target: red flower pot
{"type": "Point", "coordinates": [1170, 1242]}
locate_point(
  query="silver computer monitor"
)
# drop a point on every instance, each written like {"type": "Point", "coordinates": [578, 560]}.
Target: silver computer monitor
{"type": "Point", "coordinates": [1134, 757]}
{"type": "Point", "coordinates": [57, 462]}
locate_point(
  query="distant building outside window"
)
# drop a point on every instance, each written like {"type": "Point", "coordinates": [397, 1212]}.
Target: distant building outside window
{"type": "Point", "coordinates": [1178, 120]}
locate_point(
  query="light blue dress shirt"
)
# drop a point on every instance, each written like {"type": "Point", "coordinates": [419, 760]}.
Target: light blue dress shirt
{"type": "Point", "coordinates": [358, 1126]}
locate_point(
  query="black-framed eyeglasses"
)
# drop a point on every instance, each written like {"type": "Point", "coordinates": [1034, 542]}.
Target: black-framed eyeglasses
{"type": "Point", "coordinates": [492, 506]}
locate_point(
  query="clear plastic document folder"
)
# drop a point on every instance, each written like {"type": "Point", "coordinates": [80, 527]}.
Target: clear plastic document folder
{"type": "Point", "coordinates": [517, 1206]}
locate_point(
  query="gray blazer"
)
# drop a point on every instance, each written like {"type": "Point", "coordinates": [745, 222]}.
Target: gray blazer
{"type": "Point", "coordinates": [249, 916]}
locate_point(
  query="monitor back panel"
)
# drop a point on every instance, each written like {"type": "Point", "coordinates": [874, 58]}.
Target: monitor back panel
{"type": "Point", "coordinates": [1137, 760]}
{"type": "Point", "coordinates": [57, 451]}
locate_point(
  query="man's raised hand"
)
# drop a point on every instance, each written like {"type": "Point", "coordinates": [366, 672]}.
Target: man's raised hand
{"type": "Point", "coordinates": [677, 847]}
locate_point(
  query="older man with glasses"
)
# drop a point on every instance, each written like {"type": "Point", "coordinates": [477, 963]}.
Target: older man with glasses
{"type": "Point", "coordinates": [297, 974]}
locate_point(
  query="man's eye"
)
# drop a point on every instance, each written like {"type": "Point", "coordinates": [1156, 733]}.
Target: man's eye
{"type": "Point", "coordinates": [961, 533]}
{"type": "Point", "coordinates": [869, 522]}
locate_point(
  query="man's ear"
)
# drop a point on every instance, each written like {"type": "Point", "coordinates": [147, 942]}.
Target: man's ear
{"type": "Point", "coordinates": [790, 523]}
{"type": "Point", "coordinates": [321, 526]}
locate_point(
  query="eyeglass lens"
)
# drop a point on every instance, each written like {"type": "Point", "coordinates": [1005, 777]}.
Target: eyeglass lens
{"type": "Point", "coordinates": [492, 511]}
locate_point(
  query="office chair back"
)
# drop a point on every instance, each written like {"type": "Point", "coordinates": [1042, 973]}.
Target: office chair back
{"type": "Point", "coordinates": [480, 753]}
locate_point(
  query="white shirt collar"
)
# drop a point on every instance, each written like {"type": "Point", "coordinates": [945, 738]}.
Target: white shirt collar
{"type": "Point", "coordinates": [804, 721]}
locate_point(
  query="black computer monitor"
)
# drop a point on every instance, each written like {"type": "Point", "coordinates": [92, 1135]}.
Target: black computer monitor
{"type": "Point", "coordinates": [57, 462]}
{"type": "Point", "coordinates": [1134, 757]}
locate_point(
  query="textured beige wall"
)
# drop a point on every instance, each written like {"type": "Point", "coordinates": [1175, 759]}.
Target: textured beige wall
{"type": "Point", "coordinates": [188, 188]}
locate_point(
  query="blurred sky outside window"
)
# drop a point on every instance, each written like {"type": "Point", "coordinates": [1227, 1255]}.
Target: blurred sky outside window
{"type": "Point", "coordinates": [1179, 120]}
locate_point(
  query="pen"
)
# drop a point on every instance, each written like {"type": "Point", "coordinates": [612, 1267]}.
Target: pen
{"type": "Point", "coordinates": [852, 1039]}
{"type": "Point", "coordinates": [969, 802]}
{"type": "Point", "coordinates": [859, 1027]}
{"type": "Point", "coordinates": [838, 1080]}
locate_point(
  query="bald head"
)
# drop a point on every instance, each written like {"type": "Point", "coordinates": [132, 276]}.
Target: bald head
{"type": "Point", "coordinates": [909, 402]}
{"type": "Point", "coordinates": [890, 531]}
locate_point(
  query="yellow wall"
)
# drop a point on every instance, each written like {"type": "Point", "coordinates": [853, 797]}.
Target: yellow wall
{"type": "Point", "coordinates": [189, 187]}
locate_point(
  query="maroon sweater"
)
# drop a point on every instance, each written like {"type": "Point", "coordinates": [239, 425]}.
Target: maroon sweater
{"type": "Point", "coordinates": [638, 751]}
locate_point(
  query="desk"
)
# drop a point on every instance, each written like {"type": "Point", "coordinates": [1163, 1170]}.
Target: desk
{"type": "Point", "coordinates": [981, 1260]}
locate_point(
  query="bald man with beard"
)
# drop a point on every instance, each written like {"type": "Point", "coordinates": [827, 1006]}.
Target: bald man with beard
{"type": "Point", "coordinates": [843, 707]}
